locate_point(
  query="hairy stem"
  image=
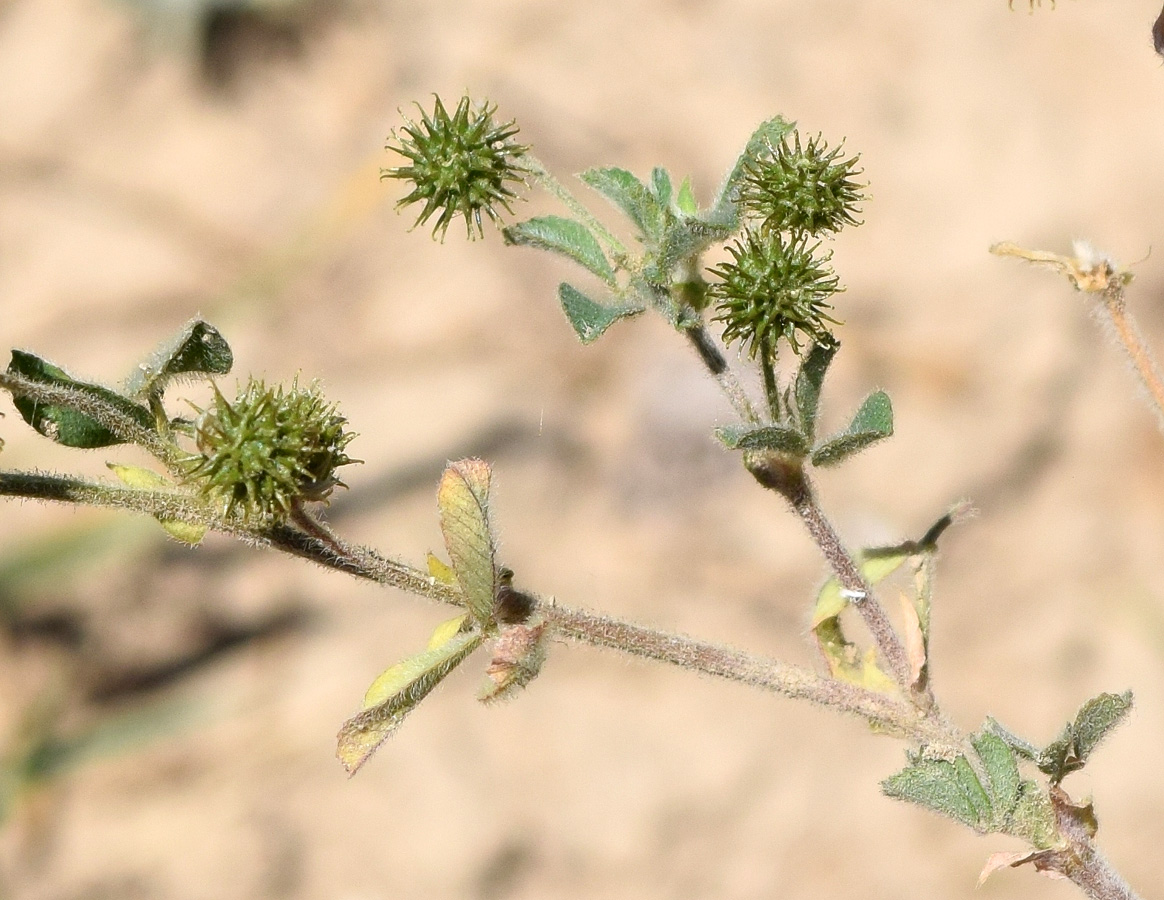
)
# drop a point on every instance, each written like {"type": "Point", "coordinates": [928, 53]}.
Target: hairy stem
{"type": "Point", "coordinates": [734, 665]}
{"type": "Point", "coordinates": [1096, 878]}
{"type": "Point", "coordinates": [860, 591]}
{"type": "Point", "coordinates": [320, 545]}
{"type": "Point", "coordinates": [116, 420]}
{"type": "Point", "coordinates": [547, 180]}
{"type": "Point", "coordinates": [1080, 860]}
{"type": "Point", "coordinates": [712, 359]}
{"type": "Point", "coordinates": [771, 389]}
{"type": "Point", "coordinates": [786, 476]}
{"type": "Point", "coordinates": [1114, 309]}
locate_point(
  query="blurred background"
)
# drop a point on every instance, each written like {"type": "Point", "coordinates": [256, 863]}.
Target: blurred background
{"type": "Point", "coordinates": [167, 715]}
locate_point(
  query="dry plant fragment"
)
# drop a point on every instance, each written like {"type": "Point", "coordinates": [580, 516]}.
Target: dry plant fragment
{"type": "Point", "coordinates": [1097, 273]}
{"type": "Point", "coordinates": [1088, 270]}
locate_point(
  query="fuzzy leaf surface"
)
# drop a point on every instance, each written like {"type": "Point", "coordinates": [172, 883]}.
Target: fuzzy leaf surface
{"type": "Point", "coordinates": [661, 186]}
{"type": "Point", "coordinates": [589, 318]}
{"type": "Point", "coordinates": [1094, 721]}
{"type": "Point", "coordinates": [1001, 772]}
{"type": "Point", "coordinates": [809, 380]}
{"type": "Point", "coordinates": [63, 424]}
{"type": "Point", "coordinates": [1097, 719]}
{"type": "Point", "coordinates": [565, 236]}
{"type": "Point", "coordinates": [685, 200]}
{"type": "Point", "coordinates": [518, 655]}
{"type": "Point", "coordinates": [769, 437]}
{"type": "Point", "coordinates": [1033, 818]}
{"type": "Point", "coordinates": [395, 694]}
{"type": "Point", "coordinates": [463, 501]}
{"type": "Point", "coordinates": [941, 786]}
{"type": "Point", "coordinates": [873, 422]}
{"type": "Point", "coordinates": [198, 349]}
{"type": "Point", "coordinates": [630, 195]}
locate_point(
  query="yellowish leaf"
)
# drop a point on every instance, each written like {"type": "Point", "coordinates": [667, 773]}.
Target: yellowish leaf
{"type": "Point", "coordinates": [147, 480]}
{"type": "Point", "coordinates": [137, 477]}
{"type": "Point", "coordinates": [441, 572]}
{"type": "Point", "coordinates": [915, 640]}
{"type": "Point", "coordinates": [445, 632]}
{"type": "Point", "coordinates": [185, 532]}
{"type": "Point", "coordinates": [846, 662]}
{"type": "Point", "coordinates": [1088, 270]}
{"type": "Point", "coordinates": [395, 694]}
{"type": "Point", "coordinates": [832, 602]}
{"type": "Point", "coordinates": [463, 499]}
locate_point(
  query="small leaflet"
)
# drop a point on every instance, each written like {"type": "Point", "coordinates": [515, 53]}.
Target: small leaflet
{"type": "Point", "coordinates": [397, 692]}
{"type": "Point", "coordinates": [144, 479]}
{"type": "Point", "coordinates": [463, 500]}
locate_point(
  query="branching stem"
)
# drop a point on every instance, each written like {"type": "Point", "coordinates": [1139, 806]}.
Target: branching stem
{"type": "Point", "coordinates": [884, 711]}
{"type": "Point", "coordinates": [860, 591]}
{"type": "Point", "coordinates": [310, 539]}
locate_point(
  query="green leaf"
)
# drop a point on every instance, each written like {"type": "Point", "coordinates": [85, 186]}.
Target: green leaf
{"type": "Point", "coordinates": [769, 134]}
{"type": "Point", "coordinates": [1002, 773]}
{"type": "Point", "coordinates": [1023, 748]}
{"type": "Point", "coordinates": [630, 195]}
{"type": "Point", "coordinates": [769, 437]}
{"type": "Point", "coordinates": [565, 236]}
{"type": "Point", "coordinates": [1096, 720]}
{"type": "Point", "coordinates": [590, 318]}
{"type": "Point", "coordinates": [681, 240]}
{"type": "Point", "coordinates": [395, 694]}
{"type": "Point", "coordinates": [63, 424]}
{"type": "Point", "coordinates": [872, 423]}
{"type": "Point", "coordinates": [1033, 817]}
{"type": "Point", "coordinates": [463, 500]}
{"type": "Point", "coordinates": [661, 186]}
{"type": "Point", "coordinates": [809, 379]}
{"type": "Point", "coordinates": [685, 201]}
{"type": "Point", "coordinates": [198, 349]}
{"type": "Point", "coordinates": [975, 792]}
{"type": "Point", "coordinates": [941, 786]}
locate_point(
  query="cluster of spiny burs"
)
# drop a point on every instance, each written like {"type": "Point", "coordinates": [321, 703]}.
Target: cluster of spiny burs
{"type": "Point", "coordinates": [782, 200]}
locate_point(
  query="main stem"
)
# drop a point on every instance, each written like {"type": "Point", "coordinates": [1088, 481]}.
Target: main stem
{"type": "Point", "coordinates": [308, 538]}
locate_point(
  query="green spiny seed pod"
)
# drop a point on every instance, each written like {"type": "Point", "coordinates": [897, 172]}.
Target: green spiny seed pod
{"type": "Point", "coordinates": [268, 450]}
{"type": "Point", "coordinates": [802, 189]}
{"type": "Point", "coordinates": [774, 288]}
{"type": "Point", "coordinates": [460, 164]}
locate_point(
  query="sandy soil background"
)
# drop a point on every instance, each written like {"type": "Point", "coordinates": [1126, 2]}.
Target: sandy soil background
{"type": "Point", "coordinates": [151, 170]}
